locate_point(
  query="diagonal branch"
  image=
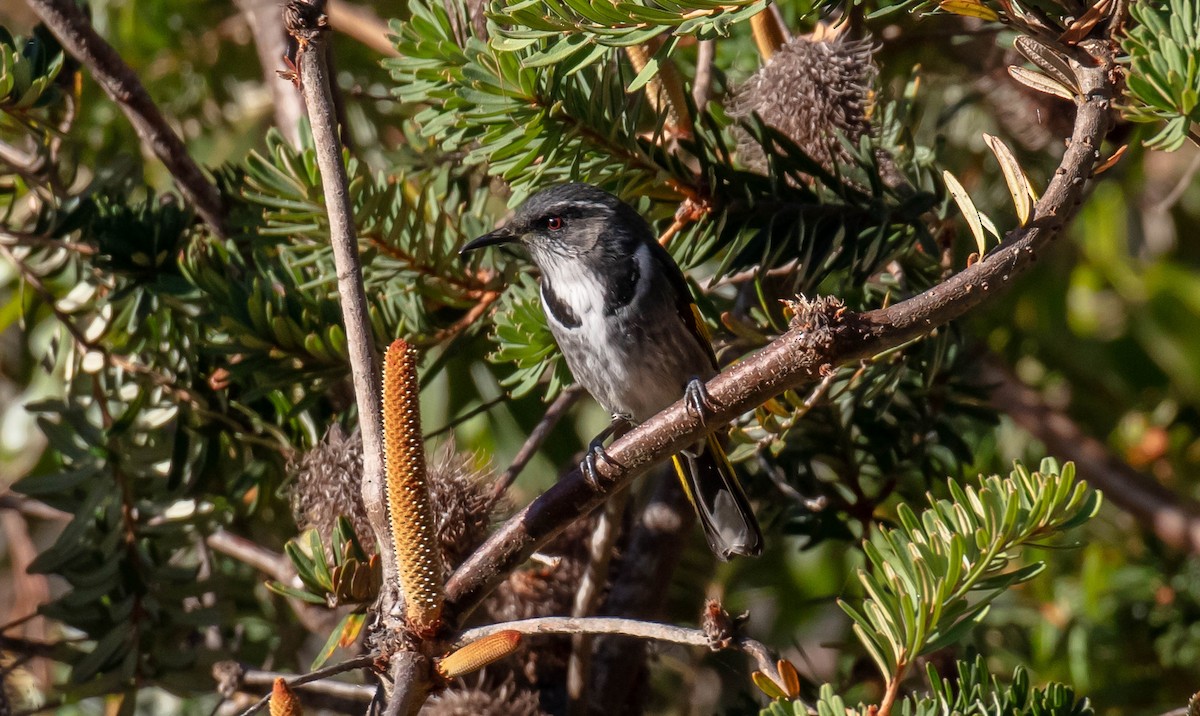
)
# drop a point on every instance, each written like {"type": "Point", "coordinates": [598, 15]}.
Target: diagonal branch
{"type": "Point", "coordinates": [822, 336]}
{"type": "Point", "coordinates": [1173, 518]}
{"type": "Point", "coordinates": [70, 24]}
{"type": "Point", "coordinates": [361, 23]}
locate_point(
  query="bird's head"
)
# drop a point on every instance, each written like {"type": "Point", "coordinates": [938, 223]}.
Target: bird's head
{"type": "Point", "coordinates": [568, 221]}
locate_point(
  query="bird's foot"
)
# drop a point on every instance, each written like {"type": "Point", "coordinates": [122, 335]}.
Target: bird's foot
{"type": "Point", "coordinates": [697, 400]}
{"type": "Point", "coordinates": [595, 453]}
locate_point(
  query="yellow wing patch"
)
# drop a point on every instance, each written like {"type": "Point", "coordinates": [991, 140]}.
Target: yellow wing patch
{"type": "Point", "coordinates": [700, 331]}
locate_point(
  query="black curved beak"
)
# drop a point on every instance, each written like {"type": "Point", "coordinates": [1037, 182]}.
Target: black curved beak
{"type": "Point", "coordinates": [499, 236]}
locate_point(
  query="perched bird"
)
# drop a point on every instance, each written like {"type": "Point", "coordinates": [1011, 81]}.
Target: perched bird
{"type": "Point", "coordinates": [624, 318]}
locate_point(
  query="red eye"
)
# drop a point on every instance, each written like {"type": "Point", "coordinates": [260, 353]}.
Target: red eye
{"type": "Point", "coordinates": [554, 223]}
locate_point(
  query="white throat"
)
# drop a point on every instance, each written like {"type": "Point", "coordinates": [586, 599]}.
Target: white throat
{"type": "Point", "coordinates": [576, 287]}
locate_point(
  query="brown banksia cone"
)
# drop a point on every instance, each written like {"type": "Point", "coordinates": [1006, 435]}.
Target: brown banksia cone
{"type": "Point", "coordinates": [811, 90]}
{"type": "Point", "coordinates": [283, 700]}
{"type": "Point", "coordinates": [548, 589]}
{"type": "Point", "coordinates": [485, 699]}
{"type": "Point", "coordinates": [462, 503]}
{"type": "Point", "coordinates": [326, 483]}
{"type": "Point", "coordinates": [414, 528]}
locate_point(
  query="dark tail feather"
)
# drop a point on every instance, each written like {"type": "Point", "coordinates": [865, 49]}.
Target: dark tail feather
{"type": "Point", "coordinates": [720, 502]}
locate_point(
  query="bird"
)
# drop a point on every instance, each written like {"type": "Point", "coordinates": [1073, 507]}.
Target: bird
{"type": "Point", "coordinates": [625, 321]}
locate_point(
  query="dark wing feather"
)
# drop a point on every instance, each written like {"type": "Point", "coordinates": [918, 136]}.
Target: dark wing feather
{"type": "Point", "coordinates": [685, 306]}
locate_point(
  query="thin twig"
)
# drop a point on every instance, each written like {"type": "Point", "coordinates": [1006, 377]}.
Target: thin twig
{"type": "Point", "coordinates": [1176, 193]}
{"type": "Point", "coordinates": [619, 626]}
{"type": "Point", "coordinates": [639, 591]}
{"type": "Point", "coordinates": [358, 662]}
{"type": "Point", "coordinates": [474, 314]}
{"type": "Point", "coordinates": [815, 396]}
{"type": "Point", "coordinates": [537, 436]}
{"type": "Point", "coordinates": [70, 24]}
{"type": "Point", "coordinates": [307, 26]}
{"type": "Point", "coordinates": [41, 241]}
{"type": "Point", "coordinates": [33, 508]}
{"type": "Point", "coordinates": [784, 269]}
{"type": "Point", "coordinates": [822, 336]}
{"type": "Point", "coordinates": [892, 691]}
{"type": "Point", "coordinates": [31, 647]}
{"type": "Point", "coordinates": [459, 420]}
{"type": "Point", "coordinates": [250, 553]}
{"type": "Point", "coordinates": [276, 566]}
{"type": "Point", "coordinates": [338, 689]}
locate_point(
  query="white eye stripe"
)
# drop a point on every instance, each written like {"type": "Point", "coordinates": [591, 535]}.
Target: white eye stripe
{"type": "Point", "coordinates": [568, 205]}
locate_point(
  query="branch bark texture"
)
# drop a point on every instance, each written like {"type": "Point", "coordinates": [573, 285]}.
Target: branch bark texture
{"type": "Point", "coordinates": [307, 26]}
{"type": "Point", "coordinates": [74, 30]}
{"type": "Point", "coordinates": [653, 631]}
{"type": "Point", "coordinates": [821, 336]}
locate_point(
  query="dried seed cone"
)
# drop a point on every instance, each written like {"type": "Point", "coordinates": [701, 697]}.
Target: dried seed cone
{"type": "Point", "coordinates": [810, 90]}
{"type": "Point", "coordinates": [479, 653]}
{"type": "Point", "coordinates": [284, 701]}
{"type": "Point", "coordinates": [414, 529]}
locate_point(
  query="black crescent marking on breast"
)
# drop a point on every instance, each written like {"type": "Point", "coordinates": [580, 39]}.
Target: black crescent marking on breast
{"type": "Point", "coordinates": [557, 309]}
{"type": "Point", "coordinates": [622, 287]}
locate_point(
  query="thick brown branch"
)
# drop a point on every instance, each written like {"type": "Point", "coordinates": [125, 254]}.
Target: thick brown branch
{"type": "Point", "coordinates": [410, 683]}
{"type": "Point", "coordinates": [815, 344]}
{"type": "Point", "coordinates": [74, 30]}
{"type": "Point", "coordinates": [1173, 518]}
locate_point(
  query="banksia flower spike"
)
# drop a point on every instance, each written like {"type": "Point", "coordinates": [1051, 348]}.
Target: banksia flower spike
{"type": "Point", "coordinates": [283, 700]}
{"type": "Point", "coordinates": [414, 529]}
{"type": "Point", "coordinates": [479, 653]}
{"type": "Point", "coordinates": [326, 485]}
